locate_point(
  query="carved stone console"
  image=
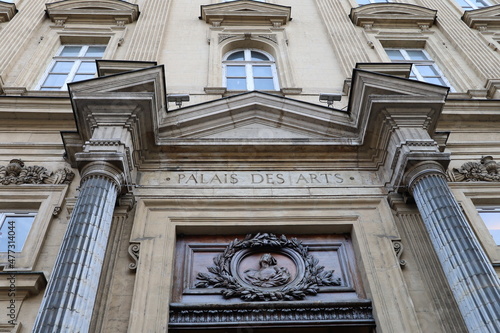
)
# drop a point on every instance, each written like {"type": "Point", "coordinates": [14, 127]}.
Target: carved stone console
{"type": "Point", "coordinates": [267, 280]}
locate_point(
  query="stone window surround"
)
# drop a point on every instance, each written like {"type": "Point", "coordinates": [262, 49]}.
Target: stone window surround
{"type": "Point", "coordinates": [46, 200]}
{"type": "Point", "coordinates": [471, 195]}
{"type": "Point", "coordinates": [430, 43]}
{"type": "Point", "coordinates": [249, 33]}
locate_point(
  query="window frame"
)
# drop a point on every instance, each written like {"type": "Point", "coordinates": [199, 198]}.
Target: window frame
{"type": "Point", "coordinates": [473, 5]}
{"type": "Point", "coordinates": [371, 1]}
{"type": "Point", "coordinates": [4, 221]}
{"type": "Point", "coordinates": [77, 61]}
{"type": "Point", "coordinates": [249, 65]}
{"type": "Point", "coordinates": [482, 209]}
{"type": "Point", "coordinates": [414, 70]}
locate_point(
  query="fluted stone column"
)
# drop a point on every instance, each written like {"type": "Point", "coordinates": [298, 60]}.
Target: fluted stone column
{"type": "Point", "coordinates": [471, 276]}
{"type": "Point", "coordinates": [71, 293]}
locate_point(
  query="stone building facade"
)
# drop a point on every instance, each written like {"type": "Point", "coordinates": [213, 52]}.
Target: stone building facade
{"type": "Point", "coordinates": [249, 166]}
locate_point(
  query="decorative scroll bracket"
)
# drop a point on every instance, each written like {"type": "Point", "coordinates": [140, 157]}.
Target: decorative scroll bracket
{"type": "Point", "coordinates": [133, 251]}
{"type": "Point", "coordinates": [398, 248]}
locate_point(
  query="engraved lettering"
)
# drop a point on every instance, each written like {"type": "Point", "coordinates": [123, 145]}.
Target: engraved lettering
{"type": "Point", "coordinates": [339, 178]}
{"type": "Point", "coordinates": [302, 179]}
{"type": "Point", "coordinates": [255, 178]}
{"type": "Point", "coordinates": [280, 179]}
{"type": "Point", "coordinates": [234, 178]}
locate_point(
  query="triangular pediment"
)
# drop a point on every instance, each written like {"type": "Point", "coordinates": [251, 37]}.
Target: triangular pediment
{"type": "Point", "coordinates": [96, 11]}
{"type": "Point", "coordinates": [245, 12]}
{"type": "Point", "coordinates": [487, 18]}
{"type": "Point", "coordinates": [392, 15]}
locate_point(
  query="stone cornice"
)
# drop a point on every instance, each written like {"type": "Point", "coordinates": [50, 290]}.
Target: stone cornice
{"type": "Point", "coordinates": [393, 15]}
{"type": "Point", "coordinates": [483, 19]}
{"type": "Point", "coordinates": [27, 283]}
{"type": "Point", "coordinates": [245, 12]}
{"type": "Point", "coordinates": [95, 11]}
{"type": "Point", "coordinates": [7, 11]}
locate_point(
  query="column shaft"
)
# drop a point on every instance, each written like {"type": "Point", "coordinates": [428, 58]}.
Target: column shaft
{"type": "Point", "coordinates": [70, 296]}
{"type": "Point", "coordinates": [470, 274]}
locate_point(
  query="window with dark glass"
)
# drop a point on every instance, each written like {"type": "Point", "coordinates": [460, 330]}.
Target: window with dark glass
{"type": "Point", "coordinates": [491, 218]}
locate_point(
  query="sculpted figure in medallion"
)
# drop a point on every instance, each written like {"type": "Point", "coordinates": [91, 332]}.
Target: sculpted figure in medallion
{"type": "Point", "coordinates": [269, 273]}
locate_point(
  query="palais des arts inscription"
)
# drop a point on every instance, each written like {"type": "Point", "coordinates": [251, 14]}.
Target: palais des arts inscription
{"type": "Point", "coordinates": [259, 179]}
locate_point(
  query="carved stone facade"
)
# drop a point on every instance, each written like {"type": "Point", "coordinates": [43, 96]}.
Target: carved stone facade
{"type": "Point", "coordinates": [345, 198]}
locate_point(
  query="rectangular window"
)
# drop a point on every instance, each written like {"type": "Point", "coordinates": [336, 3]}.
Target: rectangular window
{"type": "Point", "coordinates": [366, 2]}
{"type": "Point", "coordinates": [473, 4]}
{"type": "Point", "coordinates": [72, 63]}
{"type": "Point", "coordinates": [424, 68]}
{"type": "Point", "coordinates": [14, 230]}
{"type": "Point", "coordinates": [491, 218]}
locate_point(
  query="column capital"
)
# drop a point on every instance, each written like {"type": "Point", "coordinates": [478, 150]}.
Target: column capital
{"type": "Point", "coordinates": [103, 169]}
{"type": "Point", "coordinates": [422, 170]}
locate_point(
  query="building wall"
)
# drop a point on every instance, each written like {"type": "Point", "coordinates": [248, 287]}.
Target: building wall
{"type": "Point", "coordinates": [315, 52]}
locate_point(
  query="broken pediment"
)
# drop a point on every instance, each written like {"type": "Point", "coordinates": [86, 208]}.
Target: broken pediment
{"type": "Point", "coordinates": [262, 125]}
{"type": "Point", "coordinates": [483, 19]}
{"type": "Point", "coordinates": [392, 15]}
{"type": "Point", "coordinates": [94, 11]}
{"type": "Point", "coordinates": [245, 12]}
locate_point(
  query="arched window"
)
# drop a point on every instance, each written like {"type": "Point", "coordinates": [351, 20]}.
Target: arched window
{"type": "Point", "coordinates": [249, 70]}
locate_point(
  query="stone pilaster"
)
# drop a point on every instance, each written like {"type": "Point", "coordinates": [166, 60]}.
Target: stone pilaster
{"type": "Point", "coordinates": [471, 277]}
{"type": "Point", "coordinates": [69, 300]}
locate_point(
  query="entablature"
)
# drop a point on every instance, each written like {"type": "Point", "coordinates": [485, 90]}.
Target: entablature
{"type": "Point", "coordinates": [395, 15]}
{"type": "Point", "coordinates": [95, 11]}
{"type": "Point", "coordinates": [245, 12]}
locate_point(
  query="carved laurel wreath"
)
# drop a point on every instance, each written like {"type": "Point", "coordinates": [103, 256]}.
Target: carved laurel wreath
{"type": "Point", "coordinates": [220, 275]}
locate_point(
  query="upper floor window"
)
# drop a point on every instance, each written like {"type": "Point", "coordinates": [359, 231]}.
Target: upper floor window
{"type": "Point", "coordinates": [491, 218]}
{"type": "Point", "coordinates": [14, 229]}
{"type": "Point", "coordinates": [423, 69]}
{"type": "Point", "coordinates": [473, 4]}
{"type": "Point", "coordinates": [249, 70]}
{"type": "Point", "coordinates": [366, 2]}
{"type": "Point", "coordinates": [72, 63]}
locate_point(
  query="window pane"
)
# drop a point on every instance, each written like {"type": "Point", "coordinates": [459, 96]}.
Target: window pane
{"type": "Point", "coordinates": [395, 54]}
{"type": "Point", "coordinates": [492, 222]}
{"type": "Point", "coordinates": [62, 67]}
{"type": "Point", "coordinates": [259, 56]}
{"type": "Point", "coordinates": [417, 55]}
{"type": "Point", "coordinates": [55, 80]}
{"type": "Point", "coordinates": [263, 84]}
{"type": "Point", "coordinates": [18, 228]}
{"type": "Point", "coordinates": [237, 56]}
{"type": "Point", "coordinates": [427, 70]}
{"type": "Point", "coordinates": [70, 51]}
{"type": "Point", "coordinates": [435, 80]}
{"type": "Point", "coordinates": [262, 71]}
{"type": "Point", "coordinates": [235, 71]}
{"type": "Point", "coordinates": [88, 67]}
{"type": "Point", "coordinates": [237, 84]}
{"type": "Point", "coordinates": [95, 51]}
{"type": "Point", "coordinates": [81, 77]}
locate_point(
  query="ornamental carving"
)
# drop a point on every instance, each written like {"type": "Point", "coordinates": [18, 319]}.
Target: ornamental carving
{"type": "Point", "coordinates": [487, 170]}
{"type": "Point", "coordinates": [264, 267]}
{"type": "Point", "coordinates": [16, 172]}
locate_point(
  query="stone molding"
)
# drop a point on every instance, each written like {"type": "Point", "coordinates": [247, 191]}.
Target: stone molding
{"type": "Point", "coordinates": [245, 12]}
{"type": "Point", "coordinates": [7, 11]}
{"type": "Point", "coordinates": [16, 173]}
{"type": "Point", "coordinates": [271, 313]}
{"type": "Point", "coordinates": [393, 15]}
{"type": "Point", "coordinates": [27, 283]}
{"type": "Point", "coordinates": [487, 170]}
{"type": "Point", "coordinates": [483, 19]}
{"type": "Point", "coordinates": [95, 11]}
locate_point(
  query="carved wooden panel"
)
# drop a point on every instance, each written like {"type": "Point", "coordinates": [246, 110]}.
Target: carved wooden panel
{"type": "Point", "coordinates": [265, 276]}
